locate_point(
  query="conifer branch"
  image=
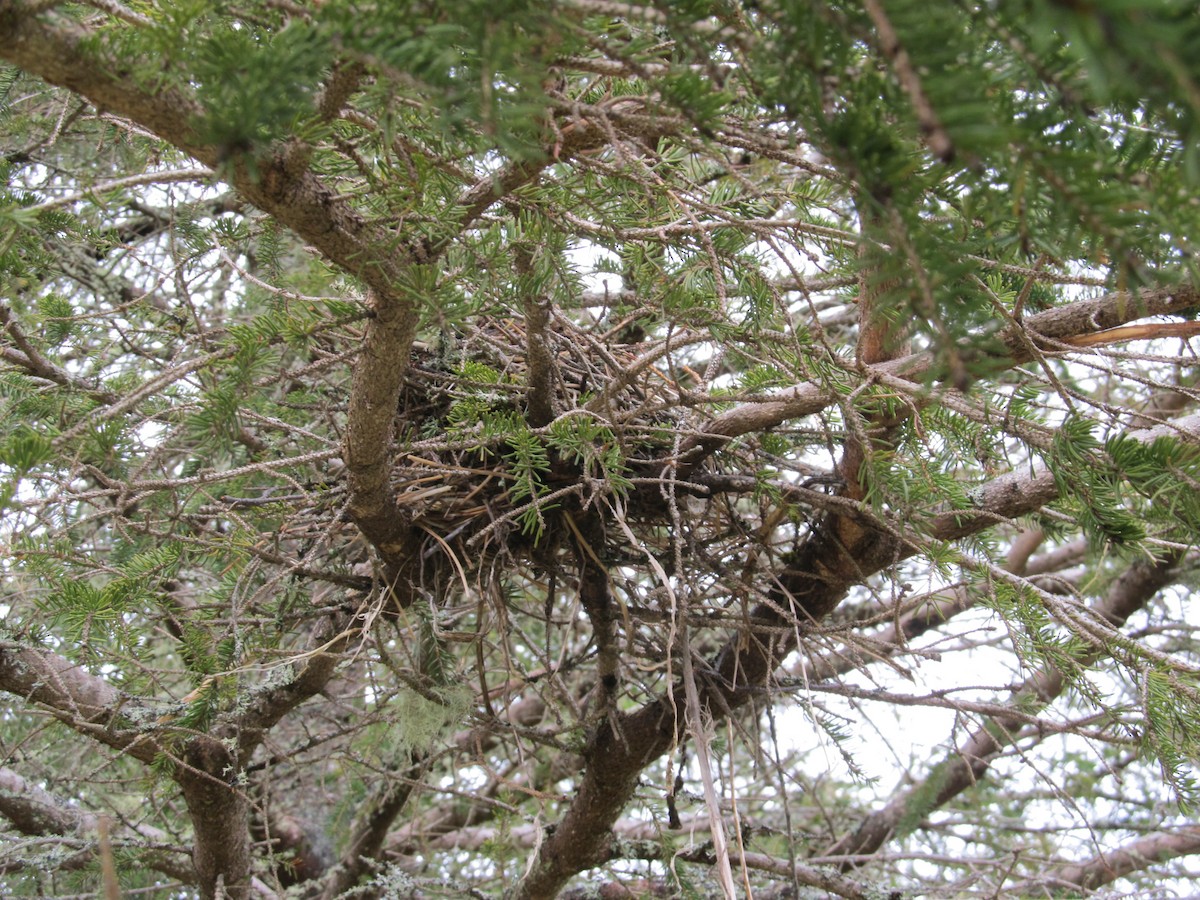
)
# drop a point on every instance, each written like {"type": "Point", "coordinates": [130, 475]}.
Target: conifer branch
{"type": "Point", "coordinates": [80, 700]}
{"type": "Point", "coordinates": [27, 357]}
{"type": "Point", "coordinates": [923, 614]}
{"type": "Point", "coordinates": [65, 54]}
{"type": "Point", "coordinates": [233, 469]}
{"type": "Point", "coordinates": [266, 707]}
{"type": "Point", "coordinates": [538, 405]}
{"type": "Point", "coordinates": [1108, 865]}
{"type": "Point", "coordinates": [927, 117]}
{"type": "Point", "coordinates": [1071, 321]}
{"type": "Point", "coordinates": [960, 771]}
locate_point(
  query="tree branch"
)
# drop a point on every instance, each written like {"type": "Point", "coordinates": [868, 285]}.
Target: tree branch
{"type": "Point", "coordinates": [84, 702]}
{"type": "Point", "coordinates": [1072, 321]}
{"type": "Point", "coordinates": [370, 830]}
{"type": "Point", "coordinates": [220, 813]}
{"type": "Point", "coordinates": [262, 710]}
{"type": "Point", "coordinates": [959, 771]}
{"type": "Point", "coordinates": [33, 811]}
{"type": "Point", "coordinates": [538, 405]}
{"type": "Point", "coordinates": [1108, 866]}
{"type": "Point", "coordinates": [29, 358]}
{"type": "Point", "coordinates": [923, 614]}
{"type": "Point", "coordinates": [278, 182]}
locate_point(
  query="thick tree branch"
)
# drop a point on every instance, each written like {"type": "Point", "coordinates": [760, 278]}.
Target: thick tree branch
{"type": "Point", "coordinates": [266, 707]}
{"type": "Point", "coordinates": [1105, 868]}
{"type": "Point", "coordinates": [371, 416]}
{"type": "Point", "coordinates": [1136, 586]}
{"type": "Point", "coordinates": [924, 614]}
{"type": "Point", "coordinates": [83, 701]}
{"type": "Point", "coordinates": [34, 811]}
{"type": "Point", "coordinates": [220, 812]}
{"type": "Point", "coordinates": [206, 772]}
{"type": "Point", "coordinates": [278, 182]}
{"type": "Point", "coordinates": [1074, 320]}
{"type": "Point", "coordinates": [539, 409]}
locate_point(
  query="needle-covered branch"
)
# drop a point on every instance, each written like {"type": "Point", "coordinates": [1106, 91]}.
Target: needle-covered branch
{"type": "Point", "coordinates": [80, 700]}
{"type": "Point", "coordinates": [962, 770]}
{"type": "Point", "coordinates": [1065, 324]}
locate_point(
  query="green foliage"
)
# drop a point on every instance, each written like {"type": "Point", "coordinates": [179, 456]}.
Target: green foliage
{"type": "Point", "coordinates": [417, 720]}
{"type": "Point", "coordinates": [57, 315]}
{"type": "Point", "coordinates": [256, 85]}
{"type": "Point", "coordinates": [1169, 732]}
{"type": "Point", "coordinates": [482, 65]}
{"type": "Point", "coordinates": [642, 250]}
{"type": "Point", "coordinates": [528, 463]}
{"type": "Point", "coordinates": [25, 449]}
{"type": "Point", "coordinates": [593, 447]}
{"type": "Point", "coordinates": [435, 663]}
{"type": "Point", "coordinates": [1154, 470]}
{"type": "Point", "coordinates": [92, 611]}
{"type": "Point", "coordinates": [1041, 642]}
{"type": "Point", "coordinates": [1084, 478]}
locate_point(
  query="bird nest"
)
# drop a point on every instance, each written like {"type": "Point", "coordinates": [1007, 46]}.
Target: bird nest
{"type": "Point", "coordinates": [514, 444]}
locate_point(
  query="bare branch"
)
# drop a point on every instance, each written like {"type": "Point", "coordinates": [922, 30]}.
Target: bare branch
{"type": "Point", "coordinates": [34, 811]}
{"type": "Point", "coordinates": [1106, 867]}
{"type": "Point", "coordinates": [34, 363]}
{"type": "Point", "coordinates": [958, 772]}
{"type": "Point", "coordinates": [84, 702]}
{"type": "Point", "coordinates": [537, 323]}
{"type": "Point", "coordinates": [266, 707]}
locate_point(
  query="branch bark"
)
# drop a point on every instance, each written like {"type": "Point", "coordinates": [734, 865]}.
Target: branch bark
{"type": "Point", "coordinates": [65, 54]}
{"type": "Point", "coordinates": [220, 814]}
{"type": "Point", "coordinates": [926, 614]}
{"type": "Point", "coordinates": [33, 811]}
{"type": "Point", "coordinates": [82, 701]}
{"type": "Point", "coordinates": [539, 409]}
{"type": "Point", "coordinates": [1072, 321]}
{"type": "Point", "coordinates": [207, 772]}
{"type": "Point", "coordinates": [1107, 867]}
{"type": "Point", "coordinates": [810, 587]}
{"type": "Point", "coordinates": [958, 772]}
{"type": "Point", "coordinates": [261, 711]}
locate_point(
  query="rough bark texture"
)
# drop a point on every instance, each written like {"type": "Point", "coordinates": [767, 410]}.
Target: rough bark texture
{"type": "Point", "coordinates": [842, 544]}
{"type": "Point", "coordinates": [208, 775]}
{"type": "Point", "coordinates": [79, 699]}
{"type": "Point", "coordinates": [1105, 868]}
